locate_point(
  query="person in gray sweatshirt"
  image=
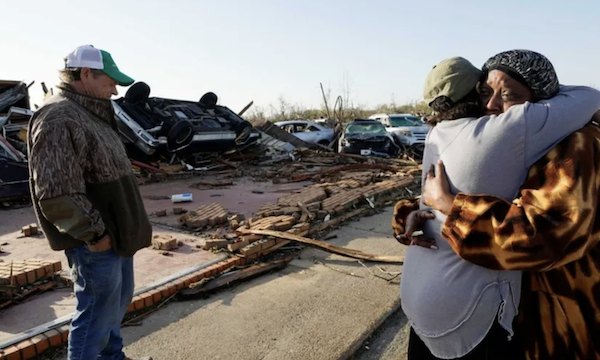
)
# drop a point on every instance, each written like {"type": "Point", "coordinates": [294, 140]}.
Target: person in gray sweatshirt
{"type": "Point", "coordinates": [456, 309]}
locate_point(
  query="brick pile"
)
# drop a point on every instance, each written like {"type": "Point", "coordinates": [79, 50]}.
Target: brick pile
{"type": "Point", "coordinates": [386, 187]}
{"type": "Point", "coordinates": [307, 196]}
{"type": "Point", "coordinates": [364, 177]}
{"type": "Point", "coordinates": [206, 215]}
{"type": "Point", "coordinates": [340, 186]}
{"type": "Point", "coordinates": [277, 223]}
{"type": "Point", "coordinates": [28, 271]}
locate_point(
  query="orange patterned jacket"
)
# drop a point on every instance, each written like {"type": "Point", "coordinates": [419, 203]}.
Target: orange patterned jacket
{"type": "Point", "coordinates": [551, 231]}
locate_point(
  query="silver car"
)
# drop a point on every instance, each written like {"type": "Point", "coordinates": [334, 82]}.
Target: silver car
{"type": "Point", "coordinates": [407, 129]}
{"type": "Point", "coordinates": [307, 131]}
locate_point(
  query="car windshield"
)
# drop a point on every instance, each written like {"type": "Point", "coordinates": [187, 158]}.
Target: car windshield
{"type": "Point", "coordinates": [398, 121]}
{"type": "Point", "coordinates": [368, 128]}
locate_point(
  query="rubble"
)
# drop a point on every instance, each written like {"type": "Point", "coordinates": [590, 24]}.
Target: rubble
{"type": "Point", "coordinates": [30, 230]}
{"type": "Point", "coordinates": [27, 272]}
{"type": "Point", "coordinates": [215, 244]}
{"type": "Point", "coordinates": [203, 287]}
{"type": "Point", "coordinates": [164, 242]}
{"type": "Point", "coordinates": [213, 214]}
{"type": "Point", "coordinates": [337, 187]}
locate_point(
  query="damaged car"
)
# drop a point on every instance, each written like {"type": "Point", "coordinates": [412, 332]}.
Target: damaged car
{"type": "Point", "coordinates": [368, 137]}
{"type": "Point", "coordinates": [152, 127]}
{"type": "Point", "coordinates": [15, 113]}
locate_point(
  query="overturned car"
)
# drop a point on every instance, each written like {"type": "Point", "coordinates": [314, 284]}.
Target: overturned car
{"type": "Point", "coordinates": [152, 127]}
{"type": "Point", "coordinates": [15, 112]}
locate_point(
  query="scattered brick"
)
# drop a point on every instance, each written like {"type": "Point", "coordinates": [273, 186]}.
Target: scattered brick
{"type": "Point", "coordinates": [164, 242]}
{"type": "Point", "coordinates": [161, 213]}
{"type": "Point", "coordinates": [30, 230]}
{"type": "Point", "coordinates": [179, 211]}
{"type": "Point", "coordinates": [206, 215]}
{"type": "Point", "coordinates": [235, 220]}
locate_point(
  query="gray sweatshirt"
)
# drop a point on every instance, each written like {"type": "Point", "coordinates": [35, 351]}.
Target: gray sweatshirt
{"type": "Point", "coordinates": [451, 303]}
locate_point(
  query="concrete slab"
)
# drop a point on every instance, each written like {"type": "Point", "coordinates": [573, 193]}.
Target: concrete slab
{"type": "Point", "coordinates": [237, 198]}
{"type": "Point", "coordinates": [307, 311]}
{"type": "Point", "coordinates": [150, 266]}
{"type": "Point", "coordinates": [389, 342]}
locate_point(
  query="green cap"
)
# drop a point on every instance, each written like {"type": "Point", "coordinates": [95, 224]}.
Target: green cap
{"type": "Point", "coordinates": [90, 57]}
{"type": "Point", "coordinates": [454, 78]}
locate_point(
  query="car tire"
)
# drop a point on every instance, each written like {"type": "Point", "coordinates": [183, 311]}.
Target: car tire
{"type": "Point", "coordinates": [180, 135]}
{"type": "Point", "coordinates": [137, 93]}
{"type": "Point", "coordinates": [209, 100]}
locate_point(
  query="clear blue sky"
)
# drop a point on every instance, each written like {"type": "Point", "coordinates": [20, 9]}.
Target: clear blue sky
{"type": "Point", "coordinates": [262, 49]}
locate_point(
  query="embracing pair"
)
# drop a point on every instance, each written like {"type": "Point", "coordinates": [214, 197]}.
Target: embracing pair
{"type": "Point", "coordinates": [508, 266]}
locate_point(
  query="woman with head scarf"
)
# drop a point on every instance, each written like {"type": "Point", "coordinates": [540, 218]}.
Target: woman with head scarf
{"type": "Point", "coordinates": [458, 309]}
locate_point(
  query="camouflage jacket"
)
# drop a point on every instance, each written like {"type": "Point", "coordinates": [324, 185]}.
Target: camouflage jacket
{"type": "Point", "coordinates": [551, 231]}
{"type": "Point", "coordinates": [81, 180]}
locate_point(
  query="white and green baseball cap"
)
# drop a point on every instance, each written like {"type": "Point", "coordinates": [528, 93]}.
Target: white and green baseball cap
{"type": "Point", "coordinates": [87, 56]}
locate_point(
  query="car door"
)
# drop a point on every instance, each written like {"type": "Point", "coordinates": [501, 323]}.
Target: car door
{"type": "Point", "coordinates": [300, 131]}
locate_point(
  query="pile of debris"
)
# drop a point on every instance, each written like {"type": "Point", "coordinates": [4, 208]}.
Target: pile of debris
{"type": "Point", "coordinates": [15, 112]}
{"type": "Point", "coordinates": [21, 279]}
{"type": "Point", "coordinates": [337, 193]}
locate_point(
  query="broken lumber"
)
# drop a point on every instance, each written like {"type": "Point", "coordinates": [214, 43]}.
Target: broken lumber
{"type": "Point", "coordinates": [338, 250]}
{"type": "Point", "coordinates": [305, 210]}
{"type": "Point", "coordinates": [226, 279]}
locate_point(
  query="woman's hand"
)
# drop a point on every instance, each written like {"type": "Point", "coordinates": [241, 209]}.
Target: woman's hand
{"type": "Point", "coordinates": [414, 224]}
{"type": "Point", "coordinates": [436, 190]}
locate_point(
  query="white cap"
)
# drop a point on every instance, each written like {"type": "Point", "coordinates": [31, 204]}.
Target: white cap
{"type": "Point", "coordinates": [85, 56]}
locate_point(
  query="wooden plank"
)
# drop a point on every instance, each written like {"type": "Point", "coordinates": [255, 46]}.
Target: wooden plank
{"type": "Point", "coordinates": [338, 250]}
{"type": "Point", "coordinates": [226, 279]}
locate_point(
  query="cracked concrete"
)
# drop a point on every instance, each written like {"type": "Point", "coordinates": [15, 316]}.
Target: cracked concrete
{"type": "Point", "coordinates": [306, 311]}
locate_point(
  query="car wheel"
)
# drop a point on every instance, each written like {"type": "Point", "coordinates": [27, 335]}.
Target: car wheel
{"type": "Point", "coordinates": [209, 100]}
{"type": "Point", "coordinates": [180, 135]}
{"type": "Point", "coordinates": [137, 93]}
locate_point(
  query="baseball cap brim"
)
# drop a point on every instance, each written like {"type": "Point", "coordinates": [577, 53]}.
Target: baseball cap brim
{"type": "Point", "coordinates": [115, 74]}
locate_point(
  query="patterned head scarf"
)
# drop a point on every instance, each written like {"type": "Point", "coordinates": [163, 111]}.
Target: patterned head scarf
{"type": "Point", "coordinates": [529, 68]}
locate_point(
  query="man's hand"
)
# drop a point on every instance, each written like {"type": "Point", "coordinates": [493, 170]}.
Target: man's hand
{"type": "Point", "coordinates": [103, 245]}
{"type": "Point", "coordinates": [436, 190]}
{"type": "Point", "coordinates": [414, 222]}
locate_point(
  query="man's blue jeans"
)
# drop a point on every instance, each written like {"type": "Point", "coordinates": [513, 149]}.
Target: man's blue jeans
{"type": "Point", "coordinates": [104, 288]}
